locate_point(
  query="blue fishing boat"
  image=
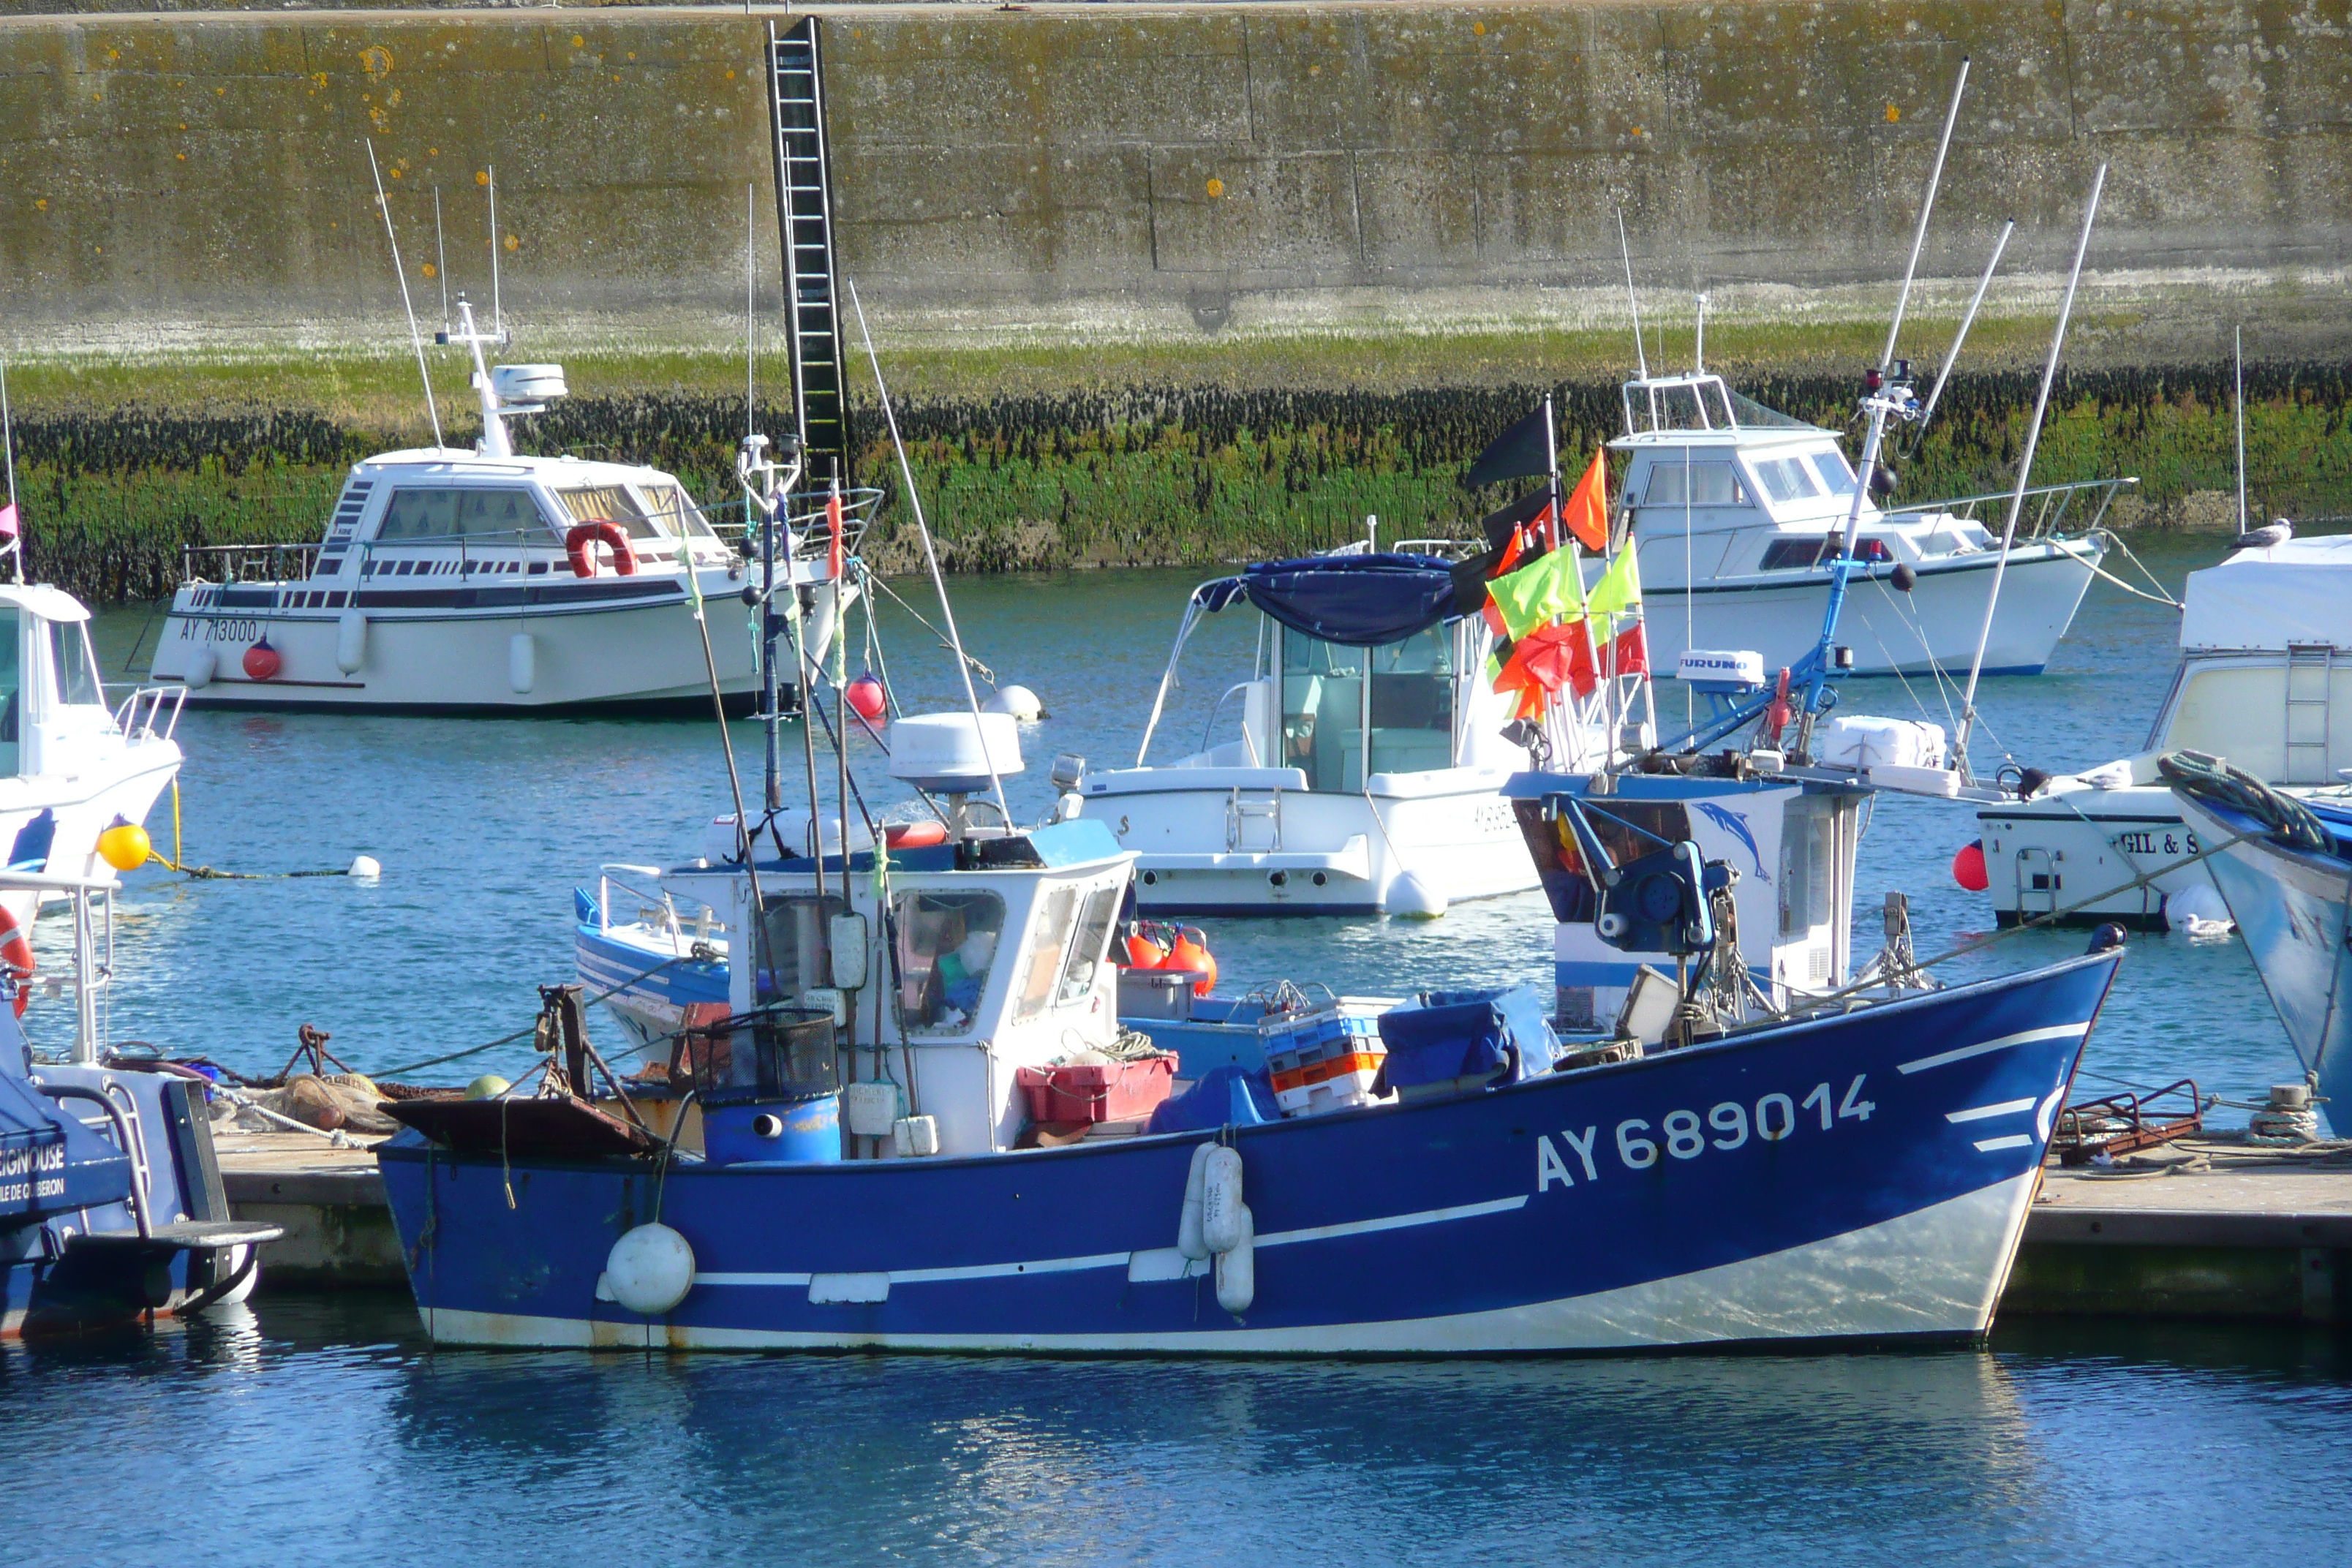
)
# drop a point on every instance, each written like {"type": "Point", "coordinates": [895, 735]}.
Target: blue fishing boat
{"type": "Point", "coordinates": [112, 1208]}
{"type": "Point", "coordinates": [2282, 859]}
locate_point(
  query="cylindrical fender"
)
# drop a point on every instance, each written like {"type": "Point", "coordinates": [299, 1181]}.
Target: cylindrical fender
{"type": "Point", "coordinates": [1190, 1241]}
{"type": "Point", "coordinates": [1237, 1268]}
{"type": "Point", "coordinates": [350, 641]}
{"type": "Point", "coordinates": [203, 665]}
{"type": "Point", "coordinates": [581, 543]}
{"type": "Point", "coordinates": [522, 662]}
{"type": "Point", "coordinates": [16, 955]}
{"type": "Point", "coordinates": [1221, 1199]}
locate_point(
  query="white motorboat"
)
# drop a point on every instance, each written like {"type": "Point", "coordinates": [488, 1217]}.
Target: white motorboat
{"type": "Point", "coordinates": [1357, 758]}
{"type": "Point", "coordinates": [453, 581]}
{"type": "Point", "coordinates": [1737, 510]}
{"type": "Point", "coordinates": [70, 765]}
{"type": "Point", "coordinates": [2258, 683]}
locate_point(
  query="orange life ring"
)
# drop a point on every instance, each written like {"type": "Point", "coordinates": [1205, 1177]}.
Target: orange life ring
{"type": "Point", "coordinates": [581, 543]}
{"type": "Point", "coordinates": [17, 955]}
{"type": "Point", "coordinates": [913, 835]}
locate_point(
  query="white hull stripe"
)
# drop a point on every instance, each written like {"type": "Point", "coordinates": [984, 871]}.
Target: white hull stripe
{"type": "Point", "coordinates": [1937, 1271]}
{"type": "Point", "coordinates": [1120, 1260]}
{"type": "Point", "coordinates": [1994, 1145]}
{"type": "Point", "coordinates": [1980, 1113]}
{"type": "Point", "coordinates": [2023, 1038]}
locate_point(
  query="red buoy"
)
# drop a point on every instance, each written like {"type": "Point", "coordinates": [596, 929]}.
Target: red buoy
{"type": "Point", "coordinates": [866, 698]}
{"type": "Point", "coordinates": [913, 835]}
{"type": "Point", "coordinates": [261, 661]}
{"type": "Point", "coordinates": [1968, 867]}
{"type": "Point", "coordinates": [1191, 952]}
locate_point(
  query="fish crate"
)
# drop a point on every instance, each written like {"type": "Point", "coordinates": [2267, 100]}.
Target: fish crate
{"type": "Point", "coordinates": [1096, 1091]}
{"type": "Point", "coordinates": [1322, 1060]}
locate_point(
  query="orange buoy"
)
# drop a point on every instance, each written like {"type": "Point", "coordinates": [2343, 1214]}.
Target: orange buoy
{"type": "Point", "coordinates": [581, 543]}
{"type": "Point", "coordinates": [261, 661]}
{"type": "Point", "coordinates": [866, 697]}
{"type": "Point", "coordinates": [913, 835]}
{"type": "Point", "coordinates": [16, 958]}
{"type": "Point", "coordinates": [1191, 952]}
{"type": "Point", "coordinates": [1142, 953]}
{"type": "Point", "coordinates": [1968, 866]}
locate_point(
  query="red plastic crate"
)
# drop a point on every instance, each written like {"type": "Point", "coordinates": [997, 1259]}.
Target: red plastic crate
{"type": "Point", "coordinates": [1096, 1091]}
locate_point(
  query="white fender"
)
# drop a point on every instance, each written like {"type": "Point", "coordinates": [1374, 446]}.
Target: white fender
{"type": "Point", "coordinates": [350, 641]}
{"type": "Point", "coordinates": [1188, 1240]}
{"type": "Point", "coordinates": [1415, 897]}
{"type": "Point", "coordinates": [522, 662]}
{"type": "Point", "coordinates": [201, 666]}
{"type": "Point", "coordinates": [650, 1269]}
{"type": "Point", "coordinates": [1237, 1268]}
{"type": "Point", "coordinates": [1221, 1199]}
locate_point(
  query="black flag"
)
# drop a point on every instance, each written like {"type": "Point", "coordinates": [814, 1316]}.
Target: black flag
{"type": "Point", "coordinates": [1522, 451]}
{"type": "Point", "coordinates": [1498, 527]}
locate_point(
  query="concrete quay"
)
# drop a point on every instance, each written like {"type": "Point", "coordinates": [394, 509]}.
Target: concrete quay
{"type": "Point", "coordinates": [2257, 1240]}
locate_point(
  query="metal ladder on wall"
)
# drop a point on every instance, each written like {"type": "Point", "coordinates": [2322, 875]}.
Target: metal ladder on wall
{"type": "Point", "coordinates": [2310, 678]}
{"type": "Point", "coordinates": [805, 223]}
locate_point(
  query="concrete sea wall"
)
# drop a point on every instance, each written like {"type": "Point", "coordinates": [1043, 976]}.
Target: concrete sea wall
{"type": "Point", "coordinates": [202, 177]}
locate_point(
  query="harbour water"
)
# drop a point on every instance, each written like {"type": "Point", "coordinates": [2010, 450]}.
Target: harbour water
{"type": "Point", "coordinates": [324, 1426]}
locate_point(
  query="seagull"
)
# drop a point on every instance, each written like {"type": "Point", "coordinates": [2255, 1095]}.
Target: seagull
{"type": "Point", "coordinates": [2278, 533]}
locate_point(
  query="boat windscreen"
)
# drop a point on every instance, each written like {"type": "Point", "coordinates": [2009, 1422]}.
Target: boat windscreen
{"type": "Point", "coordinates": [676, 510]}
{"type": "Point", "coordinates": [608, 503]}
{"type": "Point", "coordinates": [1753, 414]}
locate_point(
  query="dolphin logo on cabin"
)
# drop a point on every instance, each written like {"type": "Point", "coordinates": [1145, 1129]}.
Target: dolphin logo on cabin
{"type": "Point", "coordinates": [1732, 822]}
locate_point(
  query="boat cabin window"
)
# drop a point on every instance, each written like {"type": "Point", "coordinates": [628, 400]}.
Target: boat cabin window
{"type": "Point", "coordinates": [1834, 472]}
{"type": "Point", "coordinates": [1627, 830]}
{"type": "Point", "coordinates": [1089, 947]}
{"type": "Point", "coordinates": [1788, 479]}
{"type": "Point", "coordinates": [11, 692]}
{"type": "Point", "coordinates": [1808, 842]}
{"type": "Point", "coordinates": [1041, 980]}
{"type": "Point", "coordinates": [1413, 703]}
{"type": "Point", "coordinates": [490, 516]}
{"type": "Point", "coordinates": [1794, 554]}
{"type": "Point", "coordinates": [793, 955]}
{"type": "Point", "coordinates": [608, 503]}
{"type": "Point", "coordinates": [1711, 484]}
{"type": "Point", "coordinates": [676, 510]}
{"type": "Point", "coordinates": [947, 946]}
{"type": "Point", "coordinates": [76, 666]}
{"type": "Point", "coordinates": [1323, 711]}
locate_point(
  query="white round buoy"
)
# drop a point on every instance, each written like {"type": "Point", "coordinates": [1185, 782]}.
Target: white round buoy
{"type": "Point", "coordinates": [650, 1269]}
{"type": "Point", "coordinates": [367, 867]}
{"type": "Point", "coordinates": [1018, 701]}
{"type": "Point", "coordinates": [1414, 897]}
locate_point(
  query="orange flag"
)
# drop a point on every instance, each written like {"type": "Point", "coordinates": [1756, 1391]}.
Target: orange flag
{"type": "Point", "coordinates": [1587, 513]}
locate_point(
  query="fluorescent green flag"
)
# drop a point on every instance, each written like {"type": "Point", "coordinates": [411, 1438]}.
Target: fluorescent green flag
{"type": "Point", "coordinates": [1533, 595]}
{"type": "Point", "coordinates": [1619, 587]}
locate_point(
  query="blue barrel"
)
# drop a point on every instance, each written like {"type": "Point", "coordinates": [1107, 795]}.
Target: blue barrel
{"type": "Point", "coordinates": [794, 1131]}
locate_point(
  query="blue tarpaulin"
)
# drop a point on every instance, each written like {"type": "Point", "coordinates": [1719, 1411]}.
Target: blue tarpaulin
{"type": "Point", "coordinates": [1357, 601]}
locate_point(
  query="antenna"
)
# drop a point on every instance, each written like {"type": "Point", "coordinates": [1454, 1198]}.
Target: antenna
{"type": "Point", "coordinates": [1953, 358]}
{"type": "Point", "coordinates": [1919, 235]}
{"type": "Point", "coordinates": [1632, 301]}
{"type": "Point", "coordinates": [8, 445]}
{"type": "Point", "coordinates": [931, 555]}
{"type": "Point", "coordinates": [416, 339]}
{"type": "Point", "coordinates": [497, 304]}
{"type": "Point", "coordinates": [2025, 469]}
{"type": "Point", "coordinates": [1698, 344]}
{"type": "Point", "coordinates": [2240, 355]}
{"type": "Point", "coordinates": [441, 260]}
{"type": "Point", "coordinates": [751, 300]}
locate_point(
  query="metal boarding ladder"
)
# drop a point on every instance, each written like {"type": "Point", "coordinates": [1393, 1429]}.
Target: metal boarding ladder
{"type": "Point", "coordinates": [1244, 806]}
{"type": "Point", "coordinates": [2306, 662]}
{"type": "Point", "coordinates": [805, 225]}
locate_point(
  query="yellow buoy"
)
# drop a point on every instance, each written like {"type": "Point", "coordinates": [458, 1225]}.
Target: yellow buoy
{"type": "Point", "coordinates": [489, 1086]}
{"type": "Point", "coordinates": [125, 846]}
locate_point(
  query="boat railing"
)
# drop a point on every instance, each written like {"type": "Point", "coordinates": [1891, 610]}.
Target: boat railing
{"type": "Point", "coordinates": [806, 520]}
{"type": "Point", "coordinates": [2047, 508]}
{"type": "Point", "coordinates": [92, 898]}
{"type": "Point", "coordinates": [234, 562]}
{"type": "Point", "coordinates": [656, 907]}
{"type": "Point", "coordinates": [151, 712]}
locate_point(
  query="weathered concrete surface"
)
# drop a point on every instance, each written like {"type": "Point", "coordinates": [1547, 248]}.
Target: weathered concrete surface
{"type": "Point", "coordinates": [1149, 168]}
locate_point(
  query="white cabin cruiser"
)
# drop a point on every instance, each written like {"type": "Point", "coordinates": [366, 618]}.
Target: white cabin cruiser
{"type": "Point", "coordinates": [1737, 509]}
{"type": "Point", "coordinates": [1366, 746]}
{"type": "Point", "coordinates": [453, 581]}
{"type": "Point", "coordinates": [2258, 683]}
{"type": "Point", "coordinates": [70, 766]}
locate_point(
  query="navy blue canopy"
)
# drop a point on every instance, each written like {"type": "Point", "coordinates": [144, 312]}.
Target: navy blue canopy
{"type": "Point", "coordinates": [1357, 601]}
